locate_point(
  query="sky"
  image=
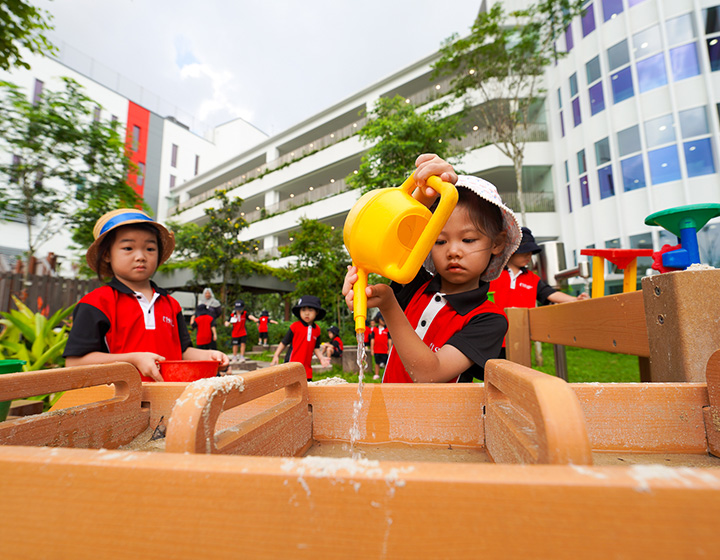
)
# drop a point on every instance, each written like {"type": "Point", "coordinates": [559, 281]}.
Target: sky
{"type": "Point", "coordinates": [273, 63]}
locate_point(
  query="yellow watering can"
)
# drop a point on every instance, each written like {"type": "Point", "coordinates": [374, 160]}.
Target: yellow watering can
{"type": "Point", "coordinates": [390, 233]}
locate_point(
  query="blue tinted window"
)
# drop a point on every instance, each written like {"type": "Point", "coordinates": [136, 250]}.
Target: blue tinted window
{"type": "Point", "coordinates": [562, 124]}
{"type": "Point", "coordinates": [712, 20]}
{"type": "Point", "coordinates": [573, 85]}
{"type": "Point", "coordinates": [693, 122]}
{"type": "Point", "coordinates": [680, 29]}
{"type": "Point", "coordinates": [664, 165]}
{"type": "Point", "coordinates": [584, 190]}
{"type": "Point", "coordinates": [660, 130]}
{"type": "Point", "coordinates": [629, 140]}
{"type": "Point", "coordinates": [651, 73]}
{"type": "Point", "coordinates": [632, 3]}
{"type": "Point", "coordinates": [602, 151]}
{"type": "Point", "coordinates": [607, 188]}
{"type": "Point", "coordinates": [567, 172]}
{"type": "Point", "coordinates": [713, 46]}
{"type": "Point", "coordinates": [597, 99]}
{"type": "Point", "coordinates": [611, 8]}
{"type": "Point", "coordinates": [592, 69]}
{"type": "Point", "coordinates": [684, 62]}
{"type": "Point", "coordinates": [577, 119]}
{"type": "Point", "coordinates": [559, 98]}
{"type": "Point", "coordinates": [588, 21]}
{"type": "Point", "coordinates": [618, 55]}
{"type": "Point", "coordinates": [646, 42]}
{"type": "Point", "coordinates": [699, 158]}
{"type": "Point", "coordinates": [568, 38]}
{"type": "Point", "coordinates": [633, 172]}
{"type": "Point", "coordinates": [569, 200]}
{"type": "Point", "coordinates": [622, 85]}
{"type": "Point", "coordinates": [582, 167]}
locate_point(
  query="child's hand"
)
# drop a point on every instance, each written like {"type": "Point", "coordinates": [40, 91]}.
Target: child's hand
{"type": "Point", "coordinates": [148, 364]}
{"type": "Point", "coordinates": [429, 165]}
{"type": "Point", "coordinates": [275, 360]}
{"type": "Point", "coordinates": [219, 357]}
{"type": "Point", "coordinates": [379, 295]}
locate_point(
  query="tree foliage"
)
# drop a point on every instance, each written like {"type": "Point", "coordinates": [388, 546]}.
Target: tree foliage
{"type": "Point", "coordinates": [66, 168]}
{"type": "Point", "coordinates": [22, 26]}
{"type": "Point", "coordinates": [320, 263]}
{"type": "Point", "coordinates": [498, 69]}
{"type": "Point", "coordinates": [398, 133]}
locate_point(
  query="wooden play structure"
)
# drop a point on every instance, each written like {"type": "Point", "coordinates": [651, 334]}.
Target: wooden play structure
{"type": "Point", "coordinates": [560, 471]}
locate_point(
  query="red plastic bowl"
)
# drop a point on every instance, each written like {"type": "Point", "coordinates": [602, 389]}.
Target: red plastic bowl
{"type": "Point", "coordinates": [188, 370]}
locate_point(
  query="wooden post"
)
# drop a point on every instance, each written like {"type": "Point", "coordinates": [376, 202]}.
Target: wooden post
{"type": "Point", "coordinates": [518, 345]}
{"type": "Point", "coordinates": [682, 313]}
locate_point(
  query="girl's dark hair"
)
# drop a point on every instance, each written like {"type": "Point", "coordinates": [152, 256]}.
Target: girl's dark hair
{"type": "Point", "coordinates": [485, 216]}
{"type": "Point", "coordinates": [109, 239]}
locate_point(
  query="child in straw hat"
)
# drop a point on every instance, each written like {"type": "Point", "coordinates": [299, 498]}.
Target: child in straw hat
{"type": "Point", "coordinates": [131, 319]}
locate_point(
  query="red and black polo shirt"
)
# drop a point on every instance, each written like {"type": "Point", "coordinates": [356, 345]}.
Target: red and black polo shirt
{"type": "Point", "coordinates": [263, 323]}
{"type": "Point", "coordinates": [302, 339]}
{"type": "Point", "coordinates": [115, 319]}
{"type": "Point", "coordinates": [238, 323]}
{"type": "Point", "coordinates": [523, 290]}
{"type": "Point", "coordinates": [381, 336]}
{"type": "Point", "coordinates": [204, 329]}
{"type": "Point", "coordinates": [467, 321]}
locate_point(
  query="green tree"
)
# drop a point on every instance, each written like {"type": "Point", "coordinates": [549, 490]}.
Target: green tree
{"type": "Point", "coordinates": [500, 66]}
{"type": "Point", "coordinates": [320, 264]}
{"type": "Point", "coordinates": [65, 169]}
{"type": "Point", "coordinates": [22, 26]}
{"type": "Point", "coordinates": [398, 133]}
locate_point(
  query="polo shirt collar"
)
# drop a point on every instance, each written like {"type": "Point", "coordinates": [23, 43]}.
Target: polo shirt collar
{"type": "Point", "coordinates": [115, 284]}
{"type": "Point", "coordinates": [463, 302]}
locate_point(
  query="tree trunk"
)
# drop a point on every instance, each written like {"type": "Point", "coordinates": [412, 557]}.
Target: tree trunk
{"type": "Point", "coordinates": [518, 164]}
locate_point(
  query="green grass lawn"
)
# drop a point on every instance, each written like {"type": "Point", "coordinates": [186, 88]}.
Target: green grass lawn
{"type": "Point", "coordinates": [584, 366]}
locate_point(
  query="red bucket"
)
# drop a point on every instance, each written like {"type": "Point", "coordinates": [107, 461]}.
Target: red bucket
{"type": "Point", "coordinates": [187, 370]}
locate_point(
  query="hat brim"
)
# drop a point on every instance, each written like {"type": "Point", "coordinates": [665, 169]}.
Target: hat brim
{"type": "Point", "coordinates": [167, 239]}
{"type": "Point", "coordinates": [320, 311]}
{"type": "Point", "coordinates": [531, 247]}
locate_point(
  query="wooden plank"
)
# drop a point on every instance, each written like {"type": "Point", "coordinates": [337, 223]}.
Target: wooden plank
{"type": "Point", "coordinates": [284, 429]}
{"type": "Point", "coordinates": [108, 423]}
{"type": "Point", "coordinates": [682, 322]}
{"type": "Point", "coordinates": [217, 507]}
{"type": "Point", "coordinates": [532, 417]}
{"type": "Point", "coordinates": [644, 417]}
{"type": "Point", "coordinates": [712, 412]}
{"type": "Point", "coordinates": [432, 413]}
{"type": "Point", "coordinates": [611, 324]}
{"type": "Point", "coordinates": [518, 347]}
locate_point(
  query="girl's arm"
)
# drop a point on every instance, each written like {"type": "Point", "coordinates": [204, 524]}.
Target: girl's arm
{"type": "Point", "coordinates": [199, 354]}
{"type": "Point", "coordinates": [324, 360]}
{"type": "Point", "coordinates": [276, 355]}
{"type": "Point", "coordinates": [562, 297]}
{"type": "Point", "coordinates": [147, 363]}
{"type": "Point", "coordinates": [214, 331]}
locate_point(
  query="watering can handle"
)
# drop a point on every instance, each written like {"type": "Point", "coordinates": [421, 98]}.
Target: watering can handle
{"type": "Point", "coordinates": [448, 199]}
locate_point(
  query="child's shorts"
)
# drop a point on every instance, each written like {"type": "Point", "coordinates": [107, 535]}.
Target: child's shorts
{"type": "Point", "coordinates": [381, 360]}
{"type": "Point", "coordinates": [239, 340]}
{"type": "Point", "coordinates": [336, 353]}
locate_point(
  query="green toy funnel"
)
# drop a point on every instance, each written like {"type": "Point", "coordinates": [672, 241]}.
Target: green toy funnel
{"type": "Point", "coordinates": [683, 217]}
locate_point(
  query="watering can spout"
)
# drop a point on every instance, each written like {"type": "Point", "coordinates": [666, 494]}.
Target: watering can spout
{"type": "Point", "coordinates": [360, 301]}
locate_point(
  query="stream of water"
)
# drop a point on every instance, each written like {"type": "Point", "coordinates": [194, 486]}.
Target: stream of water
{"type": "Point", "coordinates": [357, 406]}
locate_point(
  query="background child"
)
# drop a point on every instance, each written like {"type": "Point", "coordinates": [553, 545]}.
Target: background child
{"type": "Point", "coordinates": [302, 338]}
{"type": "Point", "coordinates": [380, 344]}
{"type": "Point", "coordinates": [131, 319]}
{"type": "Point", "coordinates": [204, 321]}
{"type": "Point", "coordinates": [334, 348]}
{"type": "Point", "coordinates": [238, 318]}
{"type": "Point", "coordinates": [519, 287]}
{"type": "Point", "coordinates": [263, 327]}
{"type": "Point", "coordinates": [442, 325]}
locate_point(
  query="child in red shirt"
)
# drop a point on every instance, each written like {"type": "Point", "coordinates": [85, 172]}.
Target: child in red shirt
{"type": "Point", "coordinates": [131, 319]}
{"type": "Point", "coordinates": [263, 327]}
{"type": "Point", "coordinates": [238, 318]}
{"type": "Point", "coordinates": [334, 348]}
{"type": "Point", "coordinates": [204, 321]}
{"type": "Point", "coordinates": [443, 326]}
{"type": "Point", "coordinates": [380, 344]}
{"type": "Point", "coordinates": [302, 338]}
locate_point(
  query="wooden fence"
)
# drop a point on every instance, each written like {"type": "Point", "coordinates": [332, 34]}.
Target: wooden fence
{"type": "Point", "coordinates": [55, 292]}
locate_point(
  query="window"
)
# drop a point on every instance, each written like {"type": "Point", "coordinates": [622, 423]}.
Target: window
{"type": "Point", "coordinates": [588, 21]}
{"type": "Point", "coordinates": [15, 171]}
{"type": "Point", "coordinates": [713, 47]}
{"type": "Point", "coordinates": [647, 42]}
{"type": "Point", "coordinates": [693, 122]}
{"type": "Point", "coordinates": [135, 138]}
{"type": "Point", "coordinates": [629, 140]}
{"type": "Point", "coordinates": [632, 3]}
{"type": "Point", "coordinates": [577, 118]}
{"type": "Point", "coordinates": [659, 131]}
{"type": "Point", "coordinates": [622, 86]}
{"type": "Point", "coordinates": [197, 164]}
{"type": "Point", "coordinates": [173, 156]}
{"type": "Point", "coordinates": [711, 16]}
{"type": "Point", "coordinates": [651, 73]}
{"type": "Point", "coordinates": [633, 173]}
{"type": "Point", "coordinates": [618, 55]}
{"type": "Point", "coordinates": [684, 62]}
{"type": "Point", "coordinates": [573, 85]}
{"type": "Point", "coordinates": [611, 8]}
{"type": "Point", "coordinates": [584, 190]}
{"type": "Point", "coordinates": [568, 38]}
{"type": "Point", "coordinates": [597, 98]}
{"type": "Point", "coordinates": [592, 70]}
{"type": "Point", "coordinates": [605, 178]}
{"type": "Point", "coordinates": [664, 165]}
{"type": "Point", "coordinates": [172, 181]}
{"type": "Point", "coordinates": [680, 29]}
{"type": "Point", "coordinates": [96, 113]}
{"type": "Point", "coordinates": [602, 152]}
{"type": "Point", "coordinates": [567, 180]}
{"type": "Point", "coordinates": [699, 157]}
{"type": "Point", "coordinates": [141, 174]}
{"type": "Point", "coordinates": [582, 167]}
{"type": "Point", "coordinates": [37, 93]}
{"type": "Point", "coordinates": [569, 200]}
{"type": "Point", "coordinates": [562, 124]}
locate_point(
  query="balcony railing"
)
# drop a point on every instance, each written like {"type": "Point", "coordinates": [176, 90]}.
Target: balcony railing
{"type": "Point", "coordinates": [534, 201]}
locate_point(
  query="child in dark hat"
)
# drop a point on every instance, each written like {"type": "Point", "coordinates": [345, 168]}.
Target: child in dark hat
{"type": "Point", "coordinates": [380, 344]}
{"type": "Point", "coordinates": [204, 321]}
{"type": "Point", "coordinates": [263, 328]}
{"type": "Point", "coordinates": [131, 319]}
{"type": "Point", "coordinates": [303, 337]}
{"type": "Point", "coordinates": [334, 348]}
{"type": "Point", "coordinates": [519, 287]}
{"type": "Point", "coordinates": [238, 318]}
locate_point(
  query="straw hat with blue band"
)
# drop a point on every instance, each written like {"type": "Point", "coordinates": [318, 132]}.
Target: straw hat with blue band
{"type": "Point", "coordinates": [125, 217]}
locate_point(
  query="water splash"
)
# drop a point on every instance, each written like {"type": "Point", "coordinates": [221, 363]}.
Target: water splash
{"type": "Point", "coordinates": [357, 405]}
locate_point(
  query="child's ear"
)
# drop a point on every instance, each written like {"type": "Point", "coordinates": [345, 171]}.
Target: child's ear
{"type": "Point", "coordinates": [499, 243]}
